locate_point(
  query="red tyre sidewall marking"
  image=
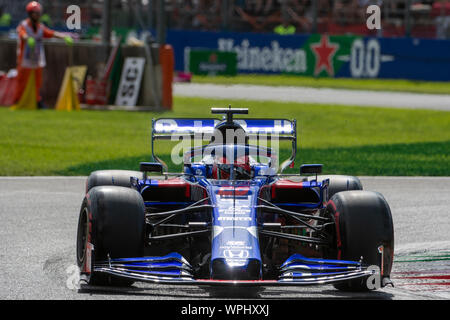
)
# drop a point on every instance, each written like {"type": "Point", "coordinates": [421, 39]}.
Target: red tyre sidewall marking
{"type": "Point", "coordinates": [89, 247]}
{"type": "Point", "coordinates": [338, 234]}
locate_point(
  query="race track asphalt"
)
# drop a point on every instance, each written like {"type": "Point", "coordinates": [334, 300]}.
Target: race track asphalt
{"type": "Point", "coordinates": [38, 231]}
{"type": "Point", "coordinates": [361, 98]}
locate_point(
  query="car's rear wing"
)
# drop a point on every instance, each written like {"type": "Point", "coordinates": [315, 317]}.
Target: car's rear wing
{"type": "Point", "coordinates": [202, 129]}
{"type": "Point", "coordinates": [165, 128]}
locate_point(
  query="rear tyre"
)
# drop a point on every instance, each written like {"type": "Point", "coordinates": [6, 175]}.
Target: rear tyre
{"type": "Point", "coordinates": [119, 178]}
{"type": "Point", "coordinates": [364, 228]}
{"type": "Point", "coordinates": [112, 219]}
{"type": "Point", "coordinates": [340, 183]}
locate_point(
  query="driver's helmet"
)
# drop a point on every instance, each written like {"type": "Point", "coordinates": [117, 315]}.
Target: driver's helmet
{"type": "Point", "coordinates": [221, 169]}
{"type": "Point", "coordinates": [224, 129]}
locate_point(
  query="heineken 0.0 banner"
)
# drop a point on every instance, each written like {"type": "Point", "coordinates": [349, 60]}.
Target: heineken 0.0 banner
{"type": "Point", "coordinates": [211, 62]}
{"type": "Point", "coordinates": [323, 55]}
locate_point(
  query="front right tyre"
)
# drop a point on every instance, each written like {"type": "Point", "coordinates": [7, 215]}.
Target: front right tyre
{"type": "Point", "coordinates": [364, 229]}
{"type": "Point", "coordinates": [112, 221]}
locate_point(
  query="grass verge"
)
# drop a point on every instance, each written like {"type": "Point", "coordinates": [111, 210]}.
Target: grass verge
{"type": "Point", "coordinates": [347, 140]}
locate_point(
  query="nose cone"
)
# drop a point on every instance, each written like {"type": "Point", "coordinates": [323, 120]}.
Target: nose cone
{"type": "Point", "coordinates": [221, 269]}
{"type": "Point", "coordinates": [235, 253]}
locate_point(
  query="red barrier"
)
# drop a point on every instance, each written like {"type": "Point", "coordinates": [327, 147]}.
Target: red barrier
{"type": "Point", "coordinates": [7, 90]}
{"type": "Point", "coordinates": [167, 60]}
{"type": "Point", "coordinates": [96, 92]}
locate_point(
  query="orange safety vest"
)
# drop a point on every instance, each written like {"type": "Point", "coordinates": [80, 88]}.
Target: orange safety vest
{"type": "Point", "coordinates": [27, 57]}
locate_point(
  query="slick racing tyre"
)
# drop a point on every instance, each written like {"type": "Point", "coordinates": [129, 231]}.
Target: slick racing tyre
{"type": "Point", "coordinates": [364, 228]}
{"type": "Point", "coordinates": [119, 178]}
{"type": "Point", "coordinates": [340, 183]}
{"type": "Point", "coordinates": [111, 222]}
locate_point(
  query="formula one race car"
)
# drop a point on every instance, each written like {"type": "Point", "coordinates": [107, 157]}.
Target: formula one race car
{"type": "Point", "coordinates": [231, 217]}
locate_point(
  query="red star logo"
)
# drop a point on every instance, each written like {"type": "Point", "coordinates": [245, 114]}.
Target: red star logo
{"type": "Point", "coordinates": [213, 58]}
{"type": "Point", "coordinates": [324, 52]}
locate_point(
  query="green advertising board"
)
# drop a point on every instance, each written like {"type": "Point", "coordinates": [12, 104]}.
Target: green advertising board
{"type": "Point", "coordinates": [212, 62]}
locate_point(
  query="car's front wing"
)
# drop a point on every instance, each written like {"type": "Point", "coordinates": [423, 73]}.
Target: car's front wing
{"type": "Point", "coordinates": [174, 269]}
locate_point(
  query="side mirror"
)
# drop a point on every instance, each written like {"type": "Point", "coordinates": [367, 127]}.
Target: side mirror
{"type": "Point", "coordinates": [310, 169]}
{"type": "Point", "coordinates": [151, 167]}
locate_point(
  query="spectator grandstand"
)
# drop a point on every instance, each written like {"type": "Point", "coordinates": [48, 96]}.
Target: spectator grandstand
{"type": "Point", "coordinates": [416, 18]}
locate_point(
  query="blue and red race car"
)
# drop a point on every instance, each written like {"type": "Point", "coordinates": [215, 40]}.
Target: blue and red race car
{"type": "Point", "coordinates": [231, 217]}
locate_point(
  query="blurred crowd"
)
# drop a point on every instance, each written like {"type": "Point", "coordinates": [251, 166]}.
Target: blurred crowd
{"type": "Point", "coordinates": [423, 18]}
{"type": "Point", "coordinates": [306, 16]}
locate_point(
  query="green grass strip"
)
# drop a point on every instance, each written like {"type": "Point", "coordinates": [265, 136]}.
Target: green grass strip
{"type": "Point", "coordinates": [347, 140]}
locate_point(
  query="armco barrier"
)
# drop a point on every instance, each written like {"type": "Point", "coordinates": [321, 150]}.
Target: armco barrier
{"type": "Point", "coordinates": [323, 55]}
